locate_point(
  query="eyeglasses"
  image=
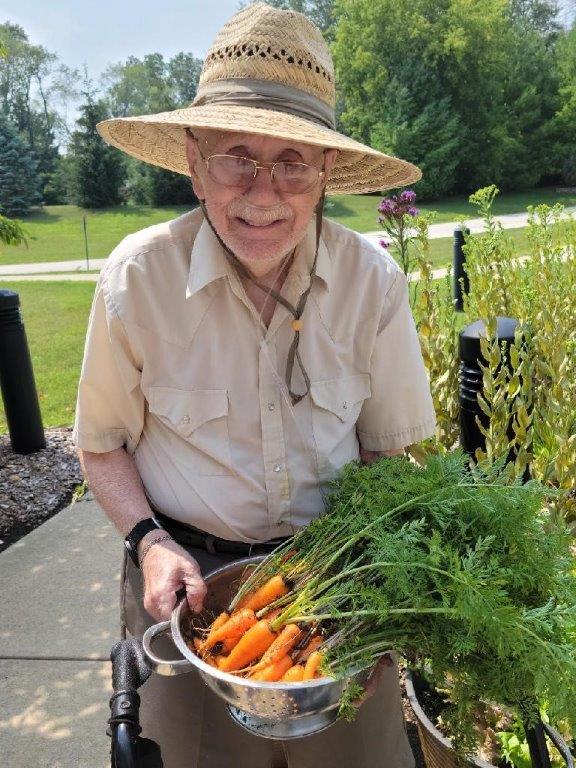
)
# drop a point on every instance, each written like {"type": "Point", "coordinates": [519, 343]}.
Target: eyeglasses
{"type": "Point", "coordinates": [235, 171]}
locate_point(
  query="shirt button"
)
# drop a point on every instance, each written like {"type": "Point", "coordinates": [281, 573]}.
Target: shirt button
{"type": "Point", "coordinates": [344, 405]}
{"type": "Point", "coordinates": [186, 419]}
{"type": "Point", "coordinates": [271, 406]}
{"type": "Point", "coordinates": [277, 468]}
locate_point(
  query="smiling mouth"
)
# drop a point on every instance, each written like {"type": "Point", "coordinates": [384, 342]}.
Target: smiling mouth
{"type": "Point", "coordinates": [260, 225]}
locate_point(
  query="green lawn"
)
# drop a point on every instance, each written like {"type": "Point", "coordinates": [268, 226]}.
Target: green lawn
{"type": "Point", "coordinates": [359, 212]}
{"type": "Point", "coordinates": [56, 313]}
{"type": "Point", "coordinates": [56, 233]}
{"type": "Point", "coordinates": [55, 317]}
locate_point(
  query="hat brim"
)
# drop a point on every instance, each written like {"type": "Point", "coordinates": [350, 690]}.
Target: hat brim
{"type": "Point", "coordinates": [159, 139]}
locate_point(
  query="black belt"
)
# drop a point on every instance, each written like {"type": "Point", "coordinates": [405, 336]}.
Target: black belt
{"type": "Point", "coordinates": [194, 537]}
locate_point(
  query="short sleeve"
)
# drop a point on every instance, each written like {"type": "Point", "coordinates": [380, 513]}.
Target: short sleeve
{"type": "Point", "coordinates": [399, 411]}
{"type": "Point", "coordinates": [110, 403]}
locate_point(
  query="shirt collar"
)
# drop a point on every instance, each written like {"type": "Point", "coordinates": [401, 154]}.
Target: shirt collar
{"type": "Point", "coordinates": [208, 261]}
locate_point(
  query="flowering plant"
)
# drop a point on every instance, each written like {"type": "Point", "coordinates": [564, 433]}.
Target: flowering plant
{"type": "Point", "coordinates": [396, 219]}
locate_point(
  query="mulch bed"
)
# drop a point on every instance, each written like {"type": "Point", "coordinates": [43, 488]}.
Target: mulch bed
{"type": "Point", "coordinates": [35, 486]}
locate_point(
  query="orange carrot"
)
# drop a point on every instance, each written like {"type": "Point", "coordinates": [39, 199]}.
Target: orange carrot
{"type": "Point", "coordinates": [229, 643]}
{"type": "Point", "coordinates": [273, 589]}
{"type": "Point", "coordinates": [294, 675]}
{"type": "Point", "coordinates": [218, 622]}
{"type": "Point", "coordinates": [285, 641]}
{"type": "Point", "coordinates": [236, 625]}
{"type": "Point", "coordinates": [310, 647]}
{"type": "Point", "coordinates": [275, 671]}
{"type": "Point", "coordinates": [250, 646]}
{"type": "Point", "coordinates": [312, 665]}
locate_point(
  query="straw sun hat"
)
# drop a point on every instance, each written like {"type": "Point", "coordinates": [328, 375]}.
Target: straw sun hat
{"type": "Point", "coordinates": [268, 72]}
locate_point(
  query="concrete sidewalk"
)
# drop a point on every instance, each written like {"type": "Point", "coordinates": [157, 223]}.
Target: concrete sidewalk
{"type": "Point", "coordinates": [60, 617]}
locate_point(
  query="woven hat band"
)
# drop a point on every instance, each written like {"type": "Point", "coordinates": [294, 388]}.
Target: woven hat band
{"type": "Point", "coordinates": [265, 94]}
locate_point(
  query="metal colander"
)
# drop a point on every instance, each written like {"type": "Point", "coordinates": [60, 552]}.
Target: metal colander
{"type": "Point", "coordinates": [272, 710]}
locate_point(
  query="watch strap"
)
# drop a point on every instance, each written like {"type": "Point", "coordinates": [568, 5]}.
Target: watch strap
{"type": "Point", "coordinates": [137, 534]}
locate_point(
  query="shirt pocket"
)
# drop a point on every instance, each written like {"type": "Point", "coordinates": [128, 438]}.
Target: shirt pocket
{"type": "Point", "coordinates": [336, 406]}
{"type": "Point", "coordinates": [200, 418]}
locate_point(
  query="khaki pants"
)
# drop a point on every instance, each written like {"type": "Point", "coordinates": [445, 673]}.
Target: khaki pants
{"type": "Point", "coordinates": [194, 729]}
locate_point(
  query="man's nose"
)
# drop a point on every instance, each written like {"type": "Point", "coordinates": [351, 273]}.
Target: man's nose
{"type": "Point", "coordinates": [262, 187]}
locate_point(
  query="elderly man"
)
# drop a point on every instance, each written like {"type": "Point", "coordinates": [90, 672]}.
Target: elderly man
{"type": "Point", "coordinates": [238, 356]}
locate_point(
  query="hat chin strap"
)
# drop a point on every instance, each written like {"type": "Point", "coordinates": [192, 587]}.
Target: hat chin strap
{"type": "Point", "coordinates": [296, 311]}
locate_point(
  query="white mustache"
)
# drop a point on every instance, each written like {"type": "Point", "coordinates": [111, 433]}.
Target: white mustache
{"type": "Point", "coordinates": [259, 217]}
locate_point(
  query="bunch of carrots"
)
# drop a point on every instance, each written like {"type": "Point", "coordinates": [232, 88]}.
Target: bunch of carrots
{"type": "Point", "coordinates": [447, 564]}
{"type": "Point", "coordinates": [245, 641]}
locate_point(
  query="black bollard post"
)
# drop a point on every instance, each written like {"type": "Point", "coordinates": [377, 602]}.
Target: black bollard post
{"type": "Point", "coordinates": [460, 282]}
{"type": "Point", "coordinates": [471, 378]}
{"type": "Point", "coordinates": [472, 438]}
{"type": "Point", "coordinates": [17, 379]}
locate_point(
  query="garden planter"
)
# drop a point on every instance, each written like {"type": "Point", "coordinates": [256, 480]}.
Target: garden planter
{"type": "Point", "coordinates": [437, 749]}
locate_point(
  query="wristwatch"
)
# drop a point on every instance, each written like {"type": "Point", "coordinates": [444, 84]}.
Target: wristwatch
{"type": "Point", "coordinates": [137, 534]}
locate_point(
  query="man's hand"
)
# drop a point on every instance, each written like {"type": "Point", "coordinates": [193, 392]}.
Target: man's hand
{"type": "Point", "coordinates": [166, 568]}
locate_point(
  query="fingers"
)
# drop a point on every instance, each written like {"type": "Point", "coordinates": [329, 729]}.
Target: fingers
{"type": "Point", "coordinates": [195, 590]}
{"type": "Point", "coordinates": [166, 569]}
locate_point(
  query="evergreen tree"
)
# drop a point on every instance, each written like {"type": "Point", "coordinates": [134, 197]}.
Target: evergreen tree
{"type": "Point", "coordinates": [97, 169]}
{"type": "Point", "coordinates": [143, 86]}
{"type": "Point", "coordinates": [19, 181]}
{"type": "Point", "coordinates": [168, 188]}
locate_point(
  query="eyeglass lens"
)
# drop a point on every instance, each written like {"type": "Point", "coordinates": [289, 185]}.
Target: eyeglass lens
{"type": "Point", "coordinates": [232, 171]}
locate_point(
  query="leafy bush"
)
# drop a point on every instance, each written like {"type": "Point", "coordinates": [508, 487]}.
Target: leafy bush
{"type": "Point", "coordinates": [531, 404]}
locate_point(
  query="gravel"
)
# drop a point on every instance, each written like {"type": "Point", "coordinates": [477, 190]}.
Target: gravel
{"type": "Point", "coordinates": [35, 486]}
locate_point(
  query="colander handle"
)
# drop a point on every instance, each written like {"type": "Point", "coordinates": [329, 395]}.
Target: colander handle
{"type": "Point", "coordinates": [162, 666]}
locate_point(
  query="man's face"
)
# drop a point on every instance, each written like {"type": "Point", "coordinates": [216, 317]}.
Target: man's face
{"type": "Point", "coordinates": [260, 224]}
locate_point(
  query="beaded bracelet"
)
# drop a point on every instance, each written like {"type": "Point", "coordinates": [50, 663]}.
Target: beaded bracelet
{"type": "Point", "coordinates": [149, 546]}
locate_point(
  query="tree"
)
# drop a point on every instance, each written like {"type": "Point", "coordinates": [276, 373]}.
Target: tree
{"type": "Point", "coordinates": [488, 65]}
{"type": "Point", "coordinates": [19, 187]}
{"type": "Point", "coordinates": [11, 232]}
{"type": "Point", "coordinates": [145, 86]}
{"type": "Point", "coordinates": [565, 117]}
{"type": "Point", "coordinates": [31, 83]}
{"type": "Point", "coordinates": [97, 169]}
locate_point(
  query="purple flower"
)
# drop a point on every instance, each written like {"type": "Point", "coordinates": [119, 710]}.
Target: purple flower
{"type": "Point", "coordinates": [412, 211]}
{"type": "Point", "coordinates": [384, 244]}
{"type": "Point", "coordinates": [408, 196]}
{"type": "Point", "coordinates": [387, 207]}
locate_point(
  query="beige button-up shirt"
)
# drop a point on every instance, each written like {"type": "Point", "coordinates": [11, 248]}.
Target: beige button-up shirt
{"type": "Point", "coordinates": [179, 369]}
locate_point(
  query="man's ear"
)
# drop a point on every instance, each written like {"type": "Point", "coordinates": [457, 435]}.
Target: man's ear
{"type": "Point", "coordinates": [193, 157]}
{"type": "Point", "coordinates": [330, 156]}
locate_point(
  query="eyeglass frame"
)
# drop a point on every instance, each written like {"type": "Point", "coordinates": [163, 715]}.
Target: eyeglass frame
{"type": "Point", "coordinates": [265, 167]}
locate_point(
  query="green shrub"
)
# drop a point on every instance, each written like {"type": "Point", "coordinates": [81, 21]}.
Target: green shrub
{"type": "Point", "coordinates": [531, 404]}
